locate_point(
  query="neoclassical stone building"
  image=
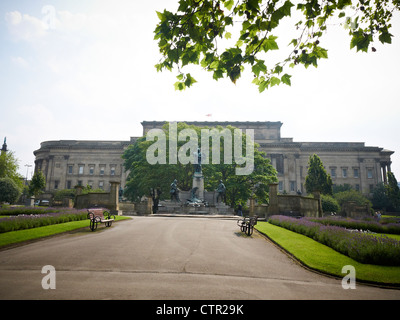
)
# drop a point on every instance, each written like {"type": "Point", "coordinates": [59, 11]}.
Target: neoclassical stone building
{"type": "Point", "coordinates": [66, 163]}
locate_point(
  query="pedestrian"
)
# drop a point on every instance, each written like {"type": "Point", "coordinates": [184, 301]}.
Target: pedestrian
{"type": "Point", "coordinates": [240, 210]}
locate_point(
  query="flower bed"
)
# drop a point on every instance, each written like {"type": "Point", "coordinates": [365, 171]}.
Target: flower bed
{"type": "Point", "coordinates": [34, 218]}
{"type": "Point", "coordinates": [362, 247]}
{"type": "Point", "coordinates": [370, 225]}
{"type": "Point", "coordinates": [15, 211]}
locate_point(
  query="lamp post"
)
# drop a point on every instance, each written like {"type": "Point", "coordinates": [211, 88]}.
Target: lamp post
{"type": "Point", "coordinates": [27, 169]}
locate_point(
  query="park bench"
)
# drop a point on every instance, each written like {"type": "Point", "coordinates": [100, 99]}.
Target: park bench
{"type": "Point", "coordinates": [97, 216]}
{"type": "Point", "coordinates": [247, 224]}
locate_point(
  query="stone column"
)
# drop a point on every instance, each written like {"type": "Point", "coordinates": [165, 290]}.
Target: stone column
{"type": "Point", "coordinates": [384, 172]}
{"type": "Point", "coordinates": [273, 207]}
{"type": "Point", "coordinates": [114, 201]}
{"type": "Point", "coordinates": [198, 181]}
{"type": "Point", "coordinates": [317, 195]}
{"type": "Point", "coordinates": [251, 208]}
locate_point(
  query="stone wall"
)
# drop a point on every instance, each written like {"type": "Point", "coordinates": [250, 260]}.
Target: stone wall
{"type": "Point", "coordinates": [293, 205]}
{"type": "Point", "coordinates": [107, 200]}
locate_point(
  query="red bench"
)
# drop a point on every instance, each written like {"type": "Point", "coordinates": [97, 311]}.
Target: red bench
{"type": "Point", "coordinates": [97, 216]}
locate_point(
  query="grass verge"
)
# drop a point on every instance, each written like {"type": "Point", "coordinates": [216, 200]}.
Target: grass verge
{"type": "Point", "coordinates": [14, 237]}
{"type": "Point", "coordinates": [324, 259]}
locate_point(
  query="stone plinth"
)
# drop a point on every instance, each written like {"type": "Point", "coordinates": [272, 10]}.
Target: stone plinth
{"type": "Point", "coordinates": [198, 181]}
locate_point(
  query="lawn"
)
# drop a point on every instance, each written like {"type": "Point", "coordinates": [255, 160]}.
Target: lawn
{"type": "Point", "coordinates": [19, 236]}
{"type": "Point", "coordinates": [324, 259]}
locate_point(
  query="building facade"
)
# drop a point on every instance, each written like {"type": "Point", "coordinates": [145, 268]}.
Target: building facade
{"type": "Point", "coordinates": [66, 163]}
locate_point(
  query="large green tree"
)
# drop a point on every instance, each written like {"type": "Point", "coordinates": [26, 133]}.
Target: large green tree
{"type": "Point", "coordinates": [224, 36]}
{"type": "Point", "coordinates": [393, 191]}
{"type": "Point", "coordinates": [37, 184]}
{"type": "Point", "coordinates": [143, 175]}
{"type": "Point", "coordinates": [9, 168]}
{"type": "Point", "coordinates": [317, 179]}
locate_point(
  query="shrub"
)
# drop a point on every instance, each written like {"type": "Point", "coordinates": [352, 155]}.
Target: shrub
{"type": "Point", "coordinates": [329, 204]}
{"type": "Point", "coordinates": [365, 225]}
{"type": "Point", "coordinates": [352, 195]}
{"type": "Point", "coordinates": [362, 247]}
{"type": "Point", "coordinates": [9, 190]}
{"type": "Point", "coordinates": [28, 221]}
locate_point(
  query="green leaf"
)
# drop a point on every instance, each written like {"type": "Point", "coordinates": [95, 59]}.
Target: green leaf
{"type": "Point", "coordinates": [179, 86]}
{"type": "Point", "coordinates": [270, 44]}
{"type": "Point", "coordinates": [286, 79]}
{"type": "Point", "coordinates": [228, 35]}
{"type": "Point", "coordinates": [275, 81]}
{"type": "Point", "coordinates": [342, 3]}
{"type": "Point", "coordinates": [385, 37]}
{"type": "Point", "coordinates": [258, 67]}
{"type": "Point", "coordinates": [189, 80]}
{"type": "Point", "coordinates": [214, 64]}
{"type": "Point", "coordinates": [160, 15]}
{"type": "Point", "coordinates": [228, 4]}
{"type": "Point", "coordinates": [360, 40]}
{"type": "Point", "coordinates": [263, 85]}
{"type": "Point", "coordinates": [218, 74]}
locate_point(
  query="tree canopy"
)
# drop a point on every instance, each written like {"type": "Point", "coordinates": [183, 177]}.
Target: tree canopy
{"type": "Point", "coordinates": [9, 168]}
{"type": "Point", "coordinates": [143, 176]}
{"type": "Point", "coordinates": [224, 36]}
{"type": "Point", "coordinates": [37, 184]}
{"type": "Point", "coordinates": [317, 179]}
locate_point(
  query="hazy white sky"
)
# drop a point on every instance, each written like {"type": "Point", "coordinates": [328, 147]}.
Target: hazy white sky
{"type": "Point", "coordinates": [88, 74]}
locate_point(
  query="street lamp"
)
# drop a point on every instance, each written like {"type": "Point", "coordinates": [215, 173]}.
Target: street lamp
{"type": "Point", "coordinates": [27, 169]}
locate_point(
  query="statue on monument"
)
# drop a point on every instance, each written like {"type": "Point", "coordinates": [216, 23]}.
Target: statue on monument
{"type": "Point", "coordinates": [174, 191]}
{"type": "Point", "coordinates": [221, 192]}
{"type": "Point", "coordinates": [197, 167]}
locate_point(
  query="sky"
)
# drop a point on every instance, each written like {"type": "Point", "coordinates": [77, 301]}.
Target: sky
{"type": "Point", "coordinates": [85, 70]}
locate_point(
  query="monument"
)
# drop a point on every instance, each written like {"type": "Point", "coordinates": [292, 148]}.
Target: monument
{"type": "Point", "coordinates": [198, 179]}
{"type": "Point", "coordinates": [197, 200]}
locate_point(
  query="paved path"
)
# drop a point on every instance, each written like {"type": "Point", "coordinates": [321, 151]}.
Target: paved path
{"type": "Point", "coordinates": [166, 258]}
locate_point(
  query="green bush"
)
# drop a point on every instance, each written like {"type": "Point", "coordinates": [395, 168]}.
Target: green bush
{"type": "Point", "coordinates": [352, 195]}
{"type": "Point", "coordinates": [329, 204]}
{"type": "Point", "coordinates": [9, 190]}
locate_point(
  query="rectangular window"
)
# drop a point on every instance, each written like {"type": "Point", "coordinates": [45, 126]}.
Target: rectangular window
{"type": "Point", "coordinates": [292, 186]}
{"type": "Point", "coordinates": [280, 186]}
{"type": "Point", "coordinates": [333, 172]}
{"type": "Point", "coordinates": [56, 183]}
{"type": "Point", "coordinates": [81, 169]}
{"type": "Point", "coordinates": [101, 184]}
{"type": "Point", "coordinates": [112, 172]}
{"type": "Point", "coordinates": [357, 187]}
{"type": "Point", "coordinates": [70, 169]}
{"type": "Point", "coordinates": [371, 188]}
{"type": "Point", "coordinates": [369, 173]}
{"type": "Point", "coordinates": [356, 173]}
{"type": "Point", "coordinates": [69, 184]}
{"type": "Point", "coordinates": [91, 170]}
{"type": "Point", "coordinates": [344, 172]}
{"type": "Point", "coordinates": [102, 169]}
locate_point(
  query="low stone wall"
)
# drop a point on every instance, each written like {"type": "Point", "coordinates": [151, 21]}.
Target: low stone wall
{"type": "Point", "coordinates": [297, 205]}
{"type": "Point", "coordinates": [107, 200]}
{"type": "Point", "coordinates": [94, 199]}
{"type": "Point", "coordinates": [293, 205]}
